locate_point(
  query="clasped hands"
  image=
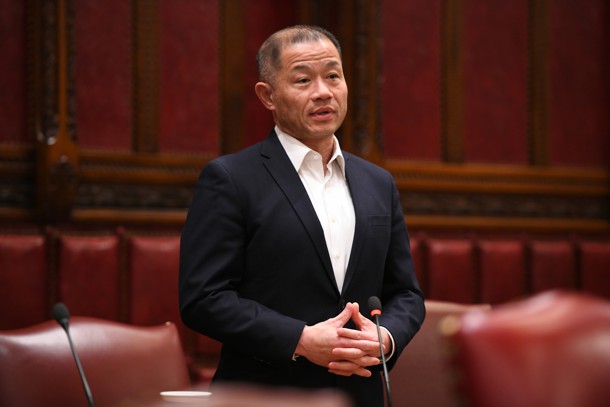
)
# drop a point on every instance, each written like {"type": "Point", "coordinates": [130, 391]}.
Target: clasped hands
{"type": "Point", "coordinates": [343, 351]}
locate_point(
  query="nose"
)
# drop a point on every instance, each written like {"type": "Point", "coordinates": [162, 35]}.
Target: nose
{"type": "Point", "coordinates": [321, 90]}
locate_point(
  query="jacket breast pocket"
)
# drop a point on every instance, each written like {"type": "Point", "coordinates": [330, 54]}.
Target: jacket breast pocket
{"type": "Point", "coordinates": [379, 220]}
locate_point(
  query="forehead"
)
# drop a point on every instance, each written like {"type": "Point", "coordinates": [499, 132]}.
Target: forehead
{"type": "Point", "coordinates": [308, 54]}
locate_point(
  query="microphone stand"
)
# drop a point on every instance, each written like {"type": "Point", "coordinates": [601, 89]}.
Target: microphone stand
{"type": "Point", "coordinates": [62, 316]}
{"type": "Point", "coordinates": [386, 375]}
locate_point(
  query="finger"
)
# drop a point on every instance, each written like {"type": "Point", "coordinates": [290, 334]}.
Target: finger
{"type": "Point", "coordinates": [358, 319]}
{"type": "Point", "coordinates": [360, 372]}
{"type": "Point", "coordinates": [348, 369]}
{"type": "Point", "coordinates": [343, 317]}
{"type": "Point", "coordinates": [350, 333]}
{"type": "Point", "coordinates": [348, 353]}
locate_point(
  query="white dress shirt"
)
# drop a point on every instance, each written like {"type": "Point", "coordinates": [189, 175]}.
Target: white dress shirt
{"type": "Point", "coordinates": [331, 200]}
{"type": "Point", "coordinates": [330, 197]}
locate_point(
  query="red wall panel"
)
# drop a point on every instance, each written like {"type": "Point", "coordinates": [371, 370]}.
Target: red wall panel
{"type": "Point", "coordinates": [189, 69]}
{"type": "Point", "coordinates": [494, 55]}
{"type": "Point", "coordinates": [102, 74]}
{"type": "Point", "coordinates": [262, 18]}
{"type": "Point", "coordinates": [12, 72]}
{"type": "Point", "coordinates": [579, 83]}
{"type": "Point", "coordinates": [410, 87]}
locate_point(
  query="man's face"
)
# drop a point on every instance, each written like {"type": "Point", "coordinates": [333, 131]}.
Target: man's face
{"type": "Point", "coordinates": [309, 93]}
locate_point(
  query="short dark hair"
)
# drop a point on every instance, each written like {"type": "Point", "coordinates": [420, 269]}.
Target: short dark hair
{"type": "Point", "coordinates": [268, 56]}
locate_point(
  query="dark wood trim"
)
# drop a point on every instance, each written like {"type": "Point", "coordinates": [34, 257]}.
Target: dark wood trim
{"type": "Point", "coordinates": [359, 34]}
{"type": "Point", "coordinates": [57, 159]}
{"type": "Point", "coordinates": [145, 75]}
{"type": "Point", "coordinates": [497, 224]}
{"type": "Point", "coordinates": [451, 82]}
{"type": "Point", "coordinates": [504, 179]}
{"type": "Point", "coordinates": [128, 217]}
{"type": "Point", "coordinates": [538, 82]}
{"type": "Point", "coordinates": [232, 76]}
{"type": "Point", "coordinates": [141, 168]}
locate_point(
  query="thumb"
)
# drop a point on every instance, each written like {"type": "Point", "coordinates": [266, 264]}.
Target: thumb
{"type": "Point", "coordinates": [358, 318]}
{"type": "Point", "coordinates": [344, 316]}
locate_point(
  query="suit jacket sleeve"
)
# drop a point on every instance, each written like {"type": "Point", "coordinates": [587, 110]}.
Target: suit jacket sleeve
{"type": "Point", "coordinates": [211, 271]}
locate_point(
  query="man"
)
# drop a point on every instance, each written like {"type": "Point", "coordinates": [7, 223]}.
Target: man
{"type": "Point", "coordinates": [287, 240]}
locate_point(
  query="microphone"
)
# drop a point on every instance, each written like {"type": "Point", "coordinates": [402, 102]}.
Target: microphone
{"type": "Point", "coordinates": [62, 316]}
{"type": "Point", "coordinates": [375, 307]}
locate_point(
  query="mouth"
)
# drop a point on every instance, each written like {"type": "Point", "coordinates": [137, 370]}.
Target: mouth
{"type": "Point", "coordinates": [323, 113]}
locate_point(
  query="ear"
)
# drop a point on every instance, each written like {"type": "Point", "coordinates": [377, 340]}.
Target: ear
{"type": "Point", "coordinates": [264, 91]}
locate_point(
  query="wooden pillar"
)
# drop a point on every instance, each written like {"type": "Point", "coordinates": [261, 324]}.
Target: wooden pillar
{"type": "Point", "coordinates": [51, 111]}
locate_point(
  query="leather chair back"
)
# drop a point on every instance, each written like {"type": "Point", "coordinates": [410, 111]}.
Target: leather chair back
{"type": "Point", "coordinates": [421, 375]}
{"type": "Point", "coordinates": [122, 363]}
{"type": "Point", "coordinates": [552, 349]}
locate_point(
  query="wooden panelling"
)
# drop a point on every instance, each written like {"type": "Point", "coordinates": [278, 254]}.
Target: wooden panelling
{"type": "Point", "coordinates": [126, 103]}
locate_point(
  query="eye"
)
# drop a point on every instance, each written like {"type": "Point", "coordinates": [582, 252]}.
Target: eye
{"type": "Point", "coordinates": [302, 80]}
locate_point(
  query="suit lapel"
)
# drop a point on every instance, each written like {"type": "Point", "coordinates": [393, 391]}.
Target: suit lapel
{"type": "Point", "coordinates": [281, 169]}
{"type": "Point", "coordinates": [356, 191]}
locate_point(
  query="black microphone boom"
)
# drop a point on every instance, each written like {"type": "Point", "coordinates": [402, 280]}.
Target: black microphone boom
{"type": "Point", "coordinates": [375, 309]}
{"type": "Point", "coordinates": [62, 316]}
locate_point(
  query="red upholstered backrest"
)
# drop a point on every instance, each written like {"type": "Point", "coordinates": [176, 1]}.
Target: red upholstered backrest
{"type": "Point", "coordinates": [451, 274]}
{"type": "Point", "coordinates": [88, 275]}
{"type": "Point", "coordinates": [418, 263]}
{"type": "Point", "coordinates": [153, 262]}
{"type": "Point", "coordinates": [595, 267]}
{"type": "Point", "coordinates": [23, 280]}
{"type": "Point", "coordinates": [553, 265]}
{"type": "Point", "coordinates": [552, 349]}
{"type": "Point", "coordinates": [121, 363]}
{"type": "Point", "coordinates": [501, 270]}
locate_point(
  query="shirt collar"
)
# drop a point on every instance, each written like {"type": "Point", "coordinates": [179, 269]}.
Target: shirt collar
{"type": "Point", "coordinates": [297, 151]}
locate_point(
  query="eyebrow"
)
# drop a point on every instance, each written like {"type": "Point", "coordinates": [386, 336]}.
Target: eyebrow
{"type": "Point", "coordinates": [304, 67]}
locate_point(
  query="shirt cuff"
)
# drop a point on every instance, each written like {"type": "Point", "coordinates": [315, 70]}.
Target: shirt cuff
{"type": "Point", "coordinates": [389, 354]}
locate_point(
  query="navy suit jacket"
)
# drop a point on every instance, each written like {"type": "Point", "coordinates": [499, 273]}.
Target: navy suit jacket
{"type": "Point", "coordinates": [255, 269]}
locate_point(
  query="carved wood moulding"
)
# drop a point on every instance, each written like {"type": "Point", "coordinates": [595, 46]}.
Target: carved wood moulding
{"type": "Point", "coordinates": [510, 195]}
